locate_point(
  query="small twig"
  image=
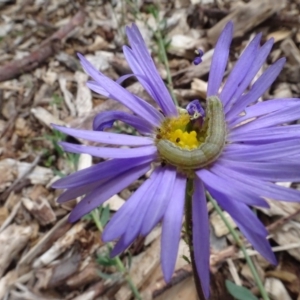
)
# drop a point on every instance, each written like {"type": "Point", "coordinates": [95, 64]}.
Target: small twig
{"type": "Point", "coordinates": [233, 272]}
{"type": "Point", "coordinates": [280, 222]}
{"type": "Point", "coordinates": [289, 21]}
{"type": "Point", "coordinates": [18, 180]}
{"type": "Point", "coordinates": [10, 217]}
{"type": "Point", "coordinates": [77, 20]}
{"type": "Point", "coordinates": [45, 50]}
{"type": "Point", "coordinates": [9, 124]}
{"type": "Point", "coordinates": [274, 249]}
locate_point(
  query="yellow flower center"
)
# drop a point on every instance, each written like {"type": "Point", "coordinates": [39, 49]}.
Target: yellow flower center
{"type": "Point", "coordinates": [178, 131]}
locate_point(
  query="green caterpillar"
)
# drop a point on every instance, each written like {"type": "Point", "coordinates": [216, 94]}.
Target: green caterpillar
{"type": "Point", "coordinates": [208, 151]}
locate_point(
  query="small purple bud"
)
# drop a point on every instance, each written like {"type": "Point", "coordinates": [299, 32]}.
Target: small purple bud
{"type": "Point", "coordinates": [195, 109]}
{"type": "Point", "coordinates": [198, 59]}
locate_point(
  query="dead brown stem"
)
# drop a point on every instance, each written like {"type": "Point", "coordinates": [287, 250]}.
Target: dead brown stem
{"type": "Point", "coordinates": [280, 222]}
{"type": "Point", "coordinates": [48, 48]}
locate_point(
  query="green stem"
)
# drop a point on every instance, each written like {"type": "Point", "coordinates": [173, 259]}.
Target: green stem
{"type": "Point", "coordinates": [166, 63]}
{"type": "Point", "coordinates": [189, 234]}
{"type": "Point", "coordinates": [133, 288]}
{"type": "Point", "coordinates": [120, 266]}
{"type": "Point", "coordinates": [242, 247]}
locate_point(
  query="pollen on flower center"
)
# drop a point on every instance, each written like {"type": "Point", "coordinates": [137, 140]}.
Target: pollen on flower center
{"type": "Point", "coordinates": [177, 130]}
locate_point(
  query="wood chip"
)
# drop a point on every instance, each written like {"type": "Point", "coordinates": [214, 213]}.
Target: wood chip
{"type": "Point", "coordinates": [200, 86]}
{"type": "Point", "coordinates": [63, 243]}
{"type": "Point", "coordinates": [45, 117]}
{"type": "Point", "coordinates": [57, 273]}
{"type": "Point", "coordinates": [279, 35]}
{"type": "Point", "coordinates": [40, 210]}
{"type": "Point", "coordinates": [291, 51]}
{"type": "Point", "coordinates": [246, 17]}
{"type": "Point", "coordinates": [115, 202]}
{"type": "Point", "coordinates": [12, 240]}
{"type": "Point", "coordinates": [276, 289]}
{"type": "Point", "coordinates": [289, 234]}
{"type": "Point", "coordinates": [83, 100]}
{"type": "Point", "coordinates": [16, 169]}
{"type": "Point", "coordinates": [68, 97]}
{"type": "Point", "coordinates": [219, 227]}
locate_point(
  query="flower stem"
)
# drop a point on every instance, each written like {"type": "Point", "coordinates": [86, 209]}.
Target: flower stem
{"type": "Point", "coordinates": [189, 235]}
{"type": "Point", "coordinates": [120, 266]}
{"type": "Point", "coordinates": [166, 63]}
{"type": "Point", "coordinates": [242, 247]}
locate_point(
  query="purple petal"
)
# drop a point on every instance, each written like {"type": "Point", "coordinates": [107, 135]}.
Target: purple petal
{"type": "Point", "coordinates": [122, 78]}
{"type": "Point", "coordinates": [258, 241]}
{"type": "Point", "coordinates": [195, 109]}
{"type": "Point", "coordinates": [99, 195]}
{"type": "Point", "coordinates": [144, 79]}
{"type": "Point", "coordinates": [267, 135]}
{"type": "Point", "coordinates": [247, 222]}
{"type": "Point", "coordinates": [78, 191]}
{"type": "Point", "coordinates": [270, 171]}
{"type": "Point", "coordinates": [264, 108]}
{"type": "Point", "coordinates": [106, 120]}
{"type": "Point", "coordinates": [171, 228]}
{"type": "Point", "coordinates": [240, 70]}
{"type": "Point", "coordinates": [138, 218]}
{"type": "Point", "coordinates": [118, 224]}
{"type": "Point", "coordinates": [141, 61]}
{"type": "Point", "coordinates": [201, 235]}
{"type": "Point", "coordinates": [94, 86]}
{"type": "Point", "coordinates": [106, 137]}
{"type": "Point", "coordinates": [234, 204]}
{"type": "Point", "coordinates": [103, 170]}
{"type": "Point", "coordinates": [106, 152]}
{"type": "Point", "coordinates": [160, 202]}
{"type": "Point", "coordinates": [265, 152]}
{"type": "Point", "coordinates": [219, 60]}
{"type": "Point", "coordinates": [120, 247]}
{"type": "Point", "coordinates": [288, 114]}
{"type": "Point", "coordinates": [261, 188]}
{"type": "Point", "coordinates": [256, 65]}
{"type": "Point", "coordinates": [258, 88]}
{"type": "Point", "coordinates": [136, 222]}
{"type": "Point", "coordinates": [118, 93]}
{"type": "Point", "coordinates": [236, 191]}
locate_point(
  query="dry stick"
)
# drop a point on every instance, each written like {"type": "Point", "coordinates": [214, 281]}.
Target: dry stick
{"type": "Point", "coordinates": [48, 48]}
{"type": "Point", "coordinates": [280, 222]}
{"type": "Point", "coordinates": [289, 21]}
{"type": "Point", "coordinates": [11, 188]}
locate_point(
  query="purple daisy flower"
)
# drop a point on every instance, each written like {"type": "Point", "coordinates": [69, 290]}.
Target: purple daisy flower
{"type": "Point", "coordinates": [254, 150]}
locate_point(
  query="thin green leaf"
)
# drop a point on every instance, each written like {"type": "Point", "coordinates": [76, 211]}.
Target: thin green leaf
{"type": "Point", "coordinates": [105, 214]}
{"type": "Point", "coordinates": [186, 259]}
{"type": "Point", "coordinates": [239, 292]}
{"type": "Point", "coordinates": [106, 276]}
